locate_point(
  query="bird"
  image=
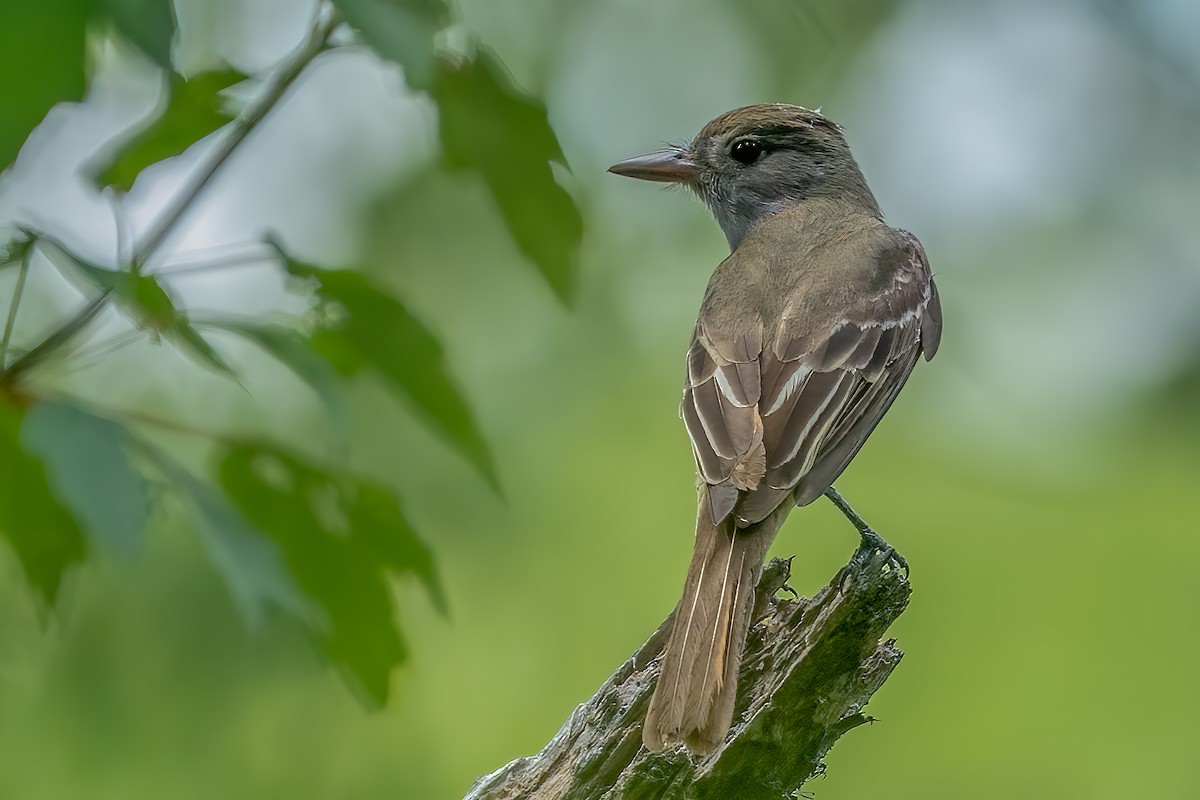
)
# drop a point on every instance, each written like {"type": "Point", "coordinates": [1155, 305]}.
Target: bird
{"type": "Point", "coordinates": [806, 333]}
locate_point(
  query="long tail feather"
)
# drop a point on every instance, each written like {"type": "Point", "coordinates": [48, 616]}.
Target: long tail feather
{"type": "Point", "coordinates": [693, 701]}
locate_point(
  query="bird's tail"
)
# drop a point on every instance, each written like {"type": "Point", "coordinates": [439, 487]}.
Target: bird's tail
{"type": "Point", "coordinates": [693, 701]}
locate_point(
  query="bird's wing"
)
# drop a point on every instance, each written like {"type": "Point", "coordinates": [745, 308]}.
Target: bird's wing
{"type": "Point", "coordinates": [769, 419]}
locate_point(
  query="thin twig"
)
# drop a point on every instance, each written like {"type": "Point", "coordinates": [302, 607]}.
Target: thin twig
{"type": "Point", "coordinates": [178, 427]}
{"type": "Point", "coordinates": [84, 357]}
{"type": "Point", "coordinates": [240, 128]}
{"type": "Point", "coordinates": [229, 262]}
{"type": "Point", "coordinates": [18, 292]}
{"type": "Point", "coordinates": [55, 340]}
{"type": "Point", "coordinates": [200, 257]}
{"type": "Point", "coordinates": [123, 415]}
{"type": "Point", "coordinates": [120, 223]}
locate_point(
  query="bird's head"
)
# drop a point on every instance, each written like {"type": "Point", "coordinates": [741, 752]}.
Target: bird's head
{"type": "Point", "coordinates": [756, 161]}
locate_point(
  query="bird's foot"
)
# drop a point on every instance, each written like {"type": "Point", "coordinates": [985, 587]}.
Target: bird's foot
{"type": "Point", "coordinates": [872, 541]}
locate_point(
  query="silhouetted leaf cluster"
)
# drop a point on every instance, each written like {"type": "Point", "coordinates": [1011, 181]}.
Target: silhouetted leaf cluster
{"type": "Point", "coordinates": [288, 533]}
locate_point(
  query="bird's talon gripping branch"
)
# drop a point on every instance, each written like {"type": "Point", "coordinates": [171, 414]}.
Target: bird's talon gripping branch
{"type": "Point", "coordinates": [870, 540]}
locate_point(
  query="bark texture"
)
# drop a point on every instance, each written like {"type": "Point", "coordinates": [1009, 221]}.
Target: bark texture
{"type": "Point", "coordinates": [808, 670]}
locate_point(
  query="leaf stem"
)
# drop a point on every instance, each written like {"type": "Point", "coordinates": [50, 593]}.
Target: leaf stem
{"type": "Point", "coordinates": [55, 340]}
{"type": "Point", "coordinates": [18, 293]}
{"type": "Point", "coordinates": [83, 357]}
{"type": "Point", "coordinates": [228, 262]}
{"type": "Point", "coordinates": [162, 227]}
{"type": "Point", "coordinates": [123, 415]}
{"type": "Point", "coordinates": [178, 427]}
{"type": "Point", "coordinates": [184, 260]}
{"type": "Point", "coordinates": [240, 128]}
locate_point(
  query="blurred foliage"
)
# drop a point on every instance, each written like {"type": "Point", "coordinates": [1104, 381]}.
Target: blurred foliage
{"type": "Point", "coordinates": [371, 329]}
{"type": "Point", "coordinates": [310, 539]}
{"type": "Point", "coordinates": [341, 538]}
{"type": "Point", "coordinates": [249, 562]}
{"type": "Point", "coordinates": [87, 460]}
{"type": "Point", "coordinates": [149, 24]}
{"type": "Point", "coordinates": [401, 30]}
{"type": "Point", "coordinates": [44, 535]}
{"type": "Point", "coordinates": [806, 44]}
{"type": "Point", "coordinates": [487, 126]}
{"type": "Point", "coordinates": [48, 34]}
{"type": "Point", "coordinates": [294, 350]}
{"type": "Point", "coordinates": [195, 109]}
{"type": "Point", "coordinates": [153, 310]}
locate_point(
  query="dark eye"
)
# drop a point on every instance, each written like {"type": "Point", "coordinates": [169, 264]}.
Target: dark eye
{"type": "Point", "coordinates": [747, 151]}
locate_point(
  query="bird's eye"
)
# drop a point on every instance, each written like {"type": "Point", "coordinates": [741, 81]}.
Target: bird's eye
{"type": "Point", "coordinates": [746, 151]}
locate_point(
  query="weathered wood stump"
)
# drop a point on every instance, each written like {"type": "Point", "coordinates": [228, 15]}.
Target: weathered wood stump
{"type": "Point", "coordinates": [809, 668]}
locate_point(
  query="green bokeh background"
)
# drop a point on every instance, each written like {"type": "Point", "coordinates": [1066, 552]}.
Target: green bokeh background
{"type": "Point", "coordinates": [1042, 475]}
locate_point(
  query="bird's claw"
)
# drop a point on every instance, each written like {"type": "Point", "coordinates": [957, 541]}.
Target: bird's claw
{"type": "Point", "coordinates": [872, 541]}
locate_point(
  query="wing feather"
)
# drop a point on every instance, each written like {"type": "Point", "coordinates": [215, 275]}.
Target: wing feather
{"type": "Point", "coordinates": [786, 420]}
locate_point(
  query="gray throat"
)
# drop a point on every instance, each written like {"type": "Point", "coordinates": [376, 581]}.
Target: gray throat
{"type": "Point", "coordinates": [740, 213]}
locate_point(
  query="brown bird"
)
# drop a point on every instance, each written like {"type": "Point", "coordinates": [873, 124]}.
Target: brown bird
{"type": "Point", "coordinates": [806, 333]}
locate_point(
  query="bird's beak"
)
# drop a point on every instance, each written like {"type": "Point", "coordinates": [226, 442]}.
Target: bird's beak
{"type": "Point", "coordinates": [666, 166]}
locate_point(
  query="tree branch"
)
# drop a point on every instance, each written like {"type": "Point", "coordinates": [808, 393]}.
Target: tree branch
{"type": "Point", "coordinates": [186, 197]}
{"type": "Point", "coordinates": [239, 129]}
{"type": "Point", "coordinates": [809, 669]}
{"type": "Point", "coordinates": [14, 304]}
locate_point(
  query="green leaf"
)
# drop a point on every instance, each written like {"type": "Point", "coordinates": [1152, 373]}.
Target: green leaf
{"type": "Point", "coordinates": [195, 109]}
{"type": "Point", "coordinates": [41, 64]}
{"type": "Point", "coordinates": [198, 345]}
{"type": "Point", "coordinates": [341, 537]}
{"type": "Point", "coordinates": [377, 331]}
{"type": "Point", "coordinates": [87, 463]}
{"type": "Point", "coordinates": [249, 562]}
{"type": "Point", "coordinates": [401, 31]}
{"type": "Point", "coordinates": [488, 126]}
{"type": "Point", "coordinates": [46, 538]}
{"type": "Point", "coordinates": [295, 352]}
{"type": "Point", "coordinates": [149, 24]}
{"type": "Point", "coordinates": [153, 309]}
